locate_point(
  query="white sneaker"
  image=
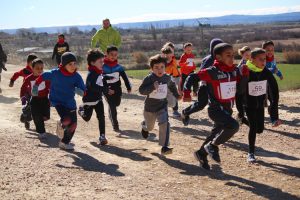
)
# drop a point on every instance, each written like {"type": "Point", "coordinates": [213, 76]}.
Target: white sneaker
{"type": "Point", "coordinates": [42, 135]}
{"type": "Point", "coordinates": [65, 146]}
{"type": "Point", "coordinates": [59, 130]}
{"type": "Point", "coordinates": [251, 158]}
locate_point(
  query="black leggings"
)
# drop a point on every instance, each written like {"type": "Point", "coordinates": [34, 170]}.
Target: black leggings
{"type": "Point", "coordinates": [273, 96]}
{"type": "Point", "coordinates": [113, 102]}
{"type": "Point", "coordinates": [200, 104]}
{"type": "Point", "coordinates": [99, 109]}
{"type": "Point", "coordinates": [40, 111]}
{"type": "Point", "coordinates": [182, 80]}
{"type": "Point", "coordinates": [256, 125]}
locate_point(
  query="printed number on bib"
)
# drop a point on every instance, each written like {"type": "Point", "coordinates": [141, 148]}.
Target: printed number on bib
{"type": "Point", "coordinates": [100, 80]}
{"type": "Point", "coordinates": [113, 77]}
{"type": "Point", "coordinates": [190, 62]}
{"type": "Point", "coordinates": [160, 93]}
{"type": "Point", "coordinates": [41, 86]}
{"type": "Point", "coordinates": [257, 88]}
{"type": "Point", "coordinates": [228, 90]}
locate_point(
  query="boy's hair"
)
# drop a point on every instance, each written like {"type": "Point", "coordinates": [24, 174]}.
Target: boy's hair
{"type": "Point", "coordinates": [37, 61]}
{"type": "Point", "coordinates": [220, 48]}
{"type": "Point", "coordinates": [93, 55]}
{"type": "Point", "coordinates": [166, 50]}
{"type": "Point", "coordinates": [169, 44]}
{"type": "Point", "coordinates": [242, 50]}
{"type": "Point", "coordinates": [157, 59]}
{"type": "Point", "coordinates": [188, 44]}
{"type": "Point", "coordinates": [267, 43]}
{"type": "Point", "coordinates": [31, 57]}
{"type": "Point", "coordinates": [61, 35]}
{"type": "Point", "coordinates": [257, 51]}
{"type": "Point", "coordinates": [111, 48]}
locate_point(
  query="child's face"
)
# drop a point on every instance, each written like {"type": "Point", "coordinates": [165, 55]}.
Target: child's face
{"type": "Point", "coordinates": [71, 67]}
{"type": "Point", "coordinates": [112, 56]}
{"type": "Point", "coordinates": [159, 69]}
{"type": "Point", "coordinates": [269, 51]}
{"type": "Point", "coordinates": [98, 63]}
{"type": "Point", "coordinates": [226, 57]}
{"type": "Point", "coordinates": [188, 49]}
{"type": "Point", "coordinates": [169, 57]}
{"type": "Point", "coordinates": [259, 61]}
{"type": "Point", "coordinates": [61, 38]}
{"type": "Point", "coordinates": [247, 55]}
{"type": "Point", "coordinates": [38, 69]}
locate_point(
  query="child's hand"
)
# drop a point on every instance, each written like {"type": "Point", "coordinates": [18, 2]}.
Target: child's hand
{"type": "Point", "coordinates": [35, 90]}
{"type": "Point", "coordinates": [111, 92]}
{"type": "Point", "coordinates": [79, 91]}
{"type": "Point", "coordinates": [156, 85]}
{"type": "Point", "coordinates": [11, 83]}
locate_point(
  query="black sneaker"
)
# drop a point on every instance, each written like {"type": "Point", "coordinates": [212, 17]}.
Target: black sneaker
{"type": "Point", "coordinates": [202, 158]}
{"type": "Point", "coordinates": [145, 134]}
{"type": "Point", "coordinates": [27, 125]}
{"type": "Point", "coordinates": [166, 150]}
{"type": "Point", "coordinates": [185, 119]}
{"type": "Point", "coordinates": [102, 140]}
{"type": "Point", "coordinates": [212, 151]}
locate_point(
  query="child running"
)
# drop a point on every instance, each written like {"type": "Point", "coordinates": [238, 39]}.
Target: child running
{"type": "Point", "coordinates": [65, 82]}
{"type": "Point", "coordinates": [155, 86]}
{"type": "Point", "coordinates": [39, 105]}
{"type": "Point", "coordinates": [112, 69]}
{"type": "Point", "coordinates": [254, 93]}
{"type": "Point", "coordinates": [221, 80]}
{"type": "Point", "coordinates": [96, 86]}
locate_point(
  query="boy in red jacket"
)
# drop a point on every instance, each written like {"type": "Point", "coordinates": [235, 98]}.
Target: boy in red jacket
{"type": "Point", "coordinates": [40, 106]}
{"type": "Point", "coordinates": [187, 66]}
{"type": "Point", "coordinates": [23, 72]}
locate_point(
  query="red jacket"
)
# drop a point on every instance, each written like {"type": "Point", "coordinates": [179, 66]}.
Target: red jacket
{"type": "Point", "coordinates": [23, 72]}
{"type": "Point", "coordinates": [184, 67]}
{"type": "Point", "coordinates": [29, 81]}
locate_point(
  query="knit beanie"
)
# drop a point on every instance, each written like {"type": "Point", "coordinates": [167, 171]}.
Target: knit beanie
{"type": "Point", "coordinates": [67, 57]}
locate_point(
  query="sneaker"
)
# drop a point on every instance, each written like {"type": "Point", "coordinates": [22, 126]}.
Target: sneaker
{"type": "Point", "coordinates": [103, 140]}
{"type": "Point", "coordinates": [65, 146]}
{"type": "Point", "coordinates": [145, 134]}
{"type": "Point", "coordinates": [242, 120]}
{"type": "Point", "coordinates": [166, 150]}
{"type": "Point", "coordinates": [176, 114]}
{"type": "Point", "coordinates": [42, 135]}
{"type": "Point", "coordinates": [202, 158]}
{"type": "Point", "coordinates": [27, 125]}
{"type": "Point", "coordinates": [276, 123]}
{"type": "Point", "coordinates": [59, 130]}
{"type": "Point", "coordinates": [212, 151]}
{"type": "Point", "coordinates": [185, 119]}
{"type": "Point", "coordinates": [251, 158]}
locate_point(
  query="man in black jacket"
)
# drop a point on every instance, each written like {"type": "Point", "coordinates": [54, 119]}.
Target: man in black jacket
{"type": "Point", "coordinates": [3, 60]}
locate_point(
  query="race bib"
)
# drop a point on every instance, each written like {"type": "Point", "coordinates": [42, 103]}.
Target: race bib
{"type": "Point", "coordinates": [114, 77]}
{"type": "Point", "coordinates": [42, 85]}
{"type": "Point", "coordinates": [99, 80]}
{"type": "Point", "coordinates": [190, 62]}
{"type": "Point", "coordinates": [228, 90]}
{"type": "Point", "coordinates": [257, 88]}
{"type": "Point", "coordinates": [160, 93]}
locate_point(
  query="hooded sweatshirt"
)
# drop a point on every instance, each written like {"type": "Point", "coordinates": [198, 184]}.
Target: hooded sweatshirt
{"type": "Point", "coordinates": [209, 60]}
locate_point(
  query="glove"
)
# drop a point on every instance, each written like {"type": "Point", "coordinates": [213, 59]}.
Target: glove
{"type": "Point", "coordinates": [79, 91]}
{"type": "Point", "coordinates": [35, 90]}
{"type": "Point", "coordinates": [23, 100]}
{"type": "Point", "coordinates": [11, 83]}
{"type": "Point", "coordinates": [245, 71]}
{"type": "Point", "coordinates": [187, 96]}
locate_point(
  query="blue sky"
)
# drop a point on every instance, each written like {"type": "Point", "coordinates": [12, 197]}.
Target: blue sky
{"type": "Point", "coordinates": [39, 13]}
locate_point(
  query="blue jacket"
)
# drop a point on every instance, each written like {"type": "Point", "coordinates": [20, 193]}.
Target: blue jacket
{"type": "Point", "coordinates": [272, 66]}
{"type": "Point", "coordinates": [62, 87]}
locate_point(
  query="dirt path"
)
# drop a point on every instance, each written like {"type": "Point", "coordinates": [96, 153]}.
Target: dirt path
{"type": "Point", "coordinates": [132, 168]}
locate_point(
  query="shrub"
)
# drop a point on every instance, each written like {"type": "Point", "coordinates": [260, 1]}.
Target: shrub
{"type": "Point", "coordinates": [292, 57]}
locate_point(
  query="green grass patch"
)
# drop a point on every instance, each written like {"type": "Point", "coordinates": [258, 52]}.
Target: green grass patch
{"type": "Point", "coordinates": [138, 74]}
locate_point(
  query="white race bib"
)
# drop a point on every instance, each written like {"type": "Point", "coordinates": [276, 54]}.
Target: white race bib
{"type": "Point", "coordinates": [190, 62]}
{"type": "Point", "coordinates": [115, 77]}
{"type": "Point", "coordinates": [228, 90]}
{"type": "Point", "coordinates": [160, 93]}
{"type": "Point", "coordinates": [42, 85]}
{"type": "Point", "coordinates": [257, 88]}
{"type": "Point", "coordinates": [99, 80]}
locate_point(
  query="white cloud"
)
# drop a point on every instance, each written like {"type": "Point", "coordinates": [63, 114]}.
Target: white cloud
{"type": "Point", "coordinates": [30, 8]}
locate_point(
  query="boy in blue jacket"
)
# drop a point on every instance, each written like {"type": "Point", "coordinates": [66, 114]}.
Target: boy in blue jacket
{"type": "Point", "coordinates": [96, 86]}
{"type": "Point", "coordinates": [65, 82]}
{"type": "Point", "coordinates": [112, 69]}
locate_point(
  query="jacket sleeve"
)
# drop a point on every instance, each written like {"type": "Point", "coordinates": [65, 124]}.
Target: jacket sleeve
{"type": "Point", "coordinates": [91, 84]}
{"type": "Point", "coordinates": [125, 79]}
{"type": "Point", "coordinates": [68, 47]}
{"type": "Point", "coordinates": [25, 88]}
{"type": "Point", "coordinates": [3, 57]}
{"type": "Point", "coordinates": [172, 87]}
{"type": "Point", "coordinates": [147, 86]}
{"type": "Point", "coordinates": [46, 76]}
{"type": "Point", "coordinates": [190, 80]}
{"type": "Point", "coordinates": [79, 83]}
{"type": "Point", "coordinates": [272, 85]}
{"type": "Point", "coordinates": [54, 51]}
{"type": "Point", "coordinates": [118, 39]}
{"type": "Point", "coordinates": [17, 75]}
{"type": "Point", "coordinates": [95, 39]}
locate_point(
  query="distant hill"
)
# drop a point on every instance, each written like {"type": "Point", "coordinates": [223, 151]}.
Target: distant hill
{"type": "Point", "coordinates": [223, 20]}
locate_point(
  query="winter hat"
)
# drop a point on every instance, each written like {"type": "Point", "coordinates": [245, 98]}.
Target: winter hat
{"type": "Point", "coordinates": [214, 42]}
{"type": "Point", "coordinates": [67, 57]}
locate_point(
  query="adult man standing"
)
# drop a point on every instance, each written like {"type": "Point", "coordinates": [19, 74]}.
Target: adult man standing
{"type": "Point", "coordinates": [106, 36]}
{"type": "Point", "coordinates": [3, 60]}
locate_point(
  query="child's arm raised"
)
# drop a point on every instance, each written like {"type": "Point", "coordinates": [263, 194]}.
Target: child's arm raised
{"type": "Point", "coordinates": [147, 86]}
